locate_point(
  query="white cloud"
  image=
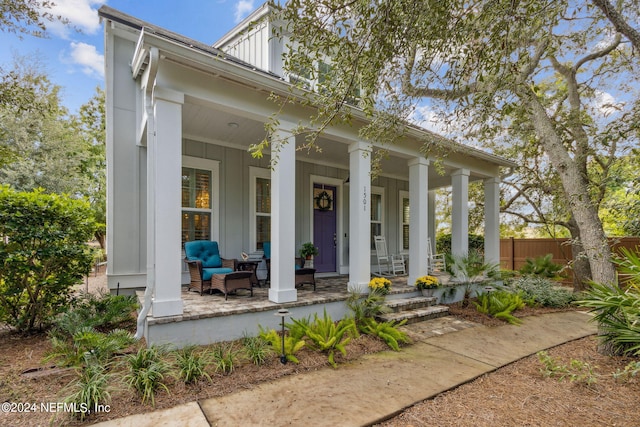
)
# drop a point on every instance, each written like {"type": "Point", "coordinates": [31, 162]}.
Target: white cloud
{"type": "Point", "coordinates": [425, 117]}
{"type": "Point", "coordinates": [243, 8]}
{"type": "Point", "coordinates": [81, 14]}
{"type": "Point", "coordinates": [87, 56]}
{"type": "Point", "coordinates": [606, 104]}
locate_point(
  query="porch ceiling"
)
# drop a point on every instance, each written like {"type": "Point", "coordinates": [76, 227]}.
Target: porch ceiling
{"type": "Point", "coordinates": [218, 126]}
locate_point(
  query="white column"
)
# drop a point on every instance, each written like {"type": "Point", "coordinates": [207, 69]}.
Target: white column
{"type": "Point", "coordinates": [460, 212]}
{"type": "Point", "coordinates": [283, 217]}
{"type": "Point", "coordinates": [418, 218]}
{"type": "Point", "coordinates": [164, 173]}
{"type": "Point", "coordinates": [359, 217]}
{"type": "Point", "coordinates": [492, 220]}
{"type": "Point", "coordinates": [431, 221]}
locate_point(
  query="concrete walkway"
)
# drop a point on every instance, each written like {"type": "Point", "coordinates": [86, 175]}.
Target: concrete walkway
{"type": "Point", "coordinates": [376, 386]}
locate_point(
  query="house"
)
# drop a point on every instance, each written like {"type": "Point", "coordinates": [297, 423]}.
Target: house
{"type": "Point", "coordinates": [180, 117]}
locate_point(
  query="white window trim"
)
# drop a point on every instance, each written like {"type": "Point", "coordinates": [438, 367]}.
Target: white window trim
{"type": "Point", "coordinates": [214, 167]}
{"type": "Point", "coordinates": [255, 172]}
{"type": "Point", "coordinates": [380, 191]}
{"type": "Point", "coordinates": [402, 195]}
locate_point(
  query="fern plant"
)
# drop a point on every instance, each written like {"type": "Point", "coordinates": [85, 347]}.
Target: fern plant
{"type": "Point", "coordinates": [328, 336]}
{"type": "Point", "coordinates": [86, 340]}
{"type": "Point", "coordinates": [500, 304]}
{"type": "Point", "coordinates": [292, 344]}
{"type": "Point", "coordinates": [387, 331]}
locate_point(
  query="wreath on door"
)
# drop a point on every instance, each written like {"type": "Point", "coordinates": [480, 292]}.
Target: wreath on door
{"type": "Point", "coordinates": [323, 201]}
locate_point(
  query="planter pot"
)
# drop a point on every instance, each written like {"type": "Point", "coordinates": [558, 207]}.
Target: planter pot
{"type": "Point", "coordinates": [428, 292]}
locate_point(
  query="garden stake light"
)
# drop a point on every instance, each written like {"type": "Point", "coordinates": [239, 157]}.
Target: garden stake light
{"type": "Point", "coordinates": [282, 313]}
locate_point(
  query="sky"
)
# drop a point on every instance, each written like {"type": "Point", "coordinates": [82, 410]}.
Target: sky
{"type": "Point", "coordinates": [74, 59]}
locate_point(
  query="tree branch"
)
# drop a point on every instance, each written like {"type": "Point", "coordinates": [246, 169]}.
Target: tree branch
{"type": "Point", "coordinates": [619, 22]}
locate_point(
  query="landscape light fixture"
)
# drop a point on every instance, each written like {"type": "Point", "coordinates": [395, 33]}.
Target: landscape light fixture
{"type": "Point", "coordinates": [282, 313]}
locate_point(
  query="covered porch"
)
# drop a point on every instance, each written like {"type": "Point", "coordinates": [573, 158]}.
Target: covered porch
{"type": "Point", "coordinates": [209, 318]}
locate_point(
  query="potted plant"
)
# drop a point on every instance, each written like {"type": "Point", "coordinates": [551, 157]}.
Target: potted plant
{"type": "Point", "coordinates": [308, 250]}
{"type": "Point", "coordinates": [380, 285]}
{"type": "Point", "coordinates": [427, 285]}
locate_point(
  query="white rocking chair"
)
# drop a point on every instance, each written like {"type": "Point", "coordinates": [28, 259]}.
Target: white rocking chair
{"type": "Point", "coordinates": [394, 264]}
{"type": "Point", "coordinates": [434, 261]}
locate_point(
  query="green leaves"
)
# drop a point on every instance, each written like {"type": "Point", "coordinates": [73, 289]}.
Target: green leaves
{"type": "Point", "coordinates": [500, 304]}
{"type": "Point", "coordinates": [43, 254]}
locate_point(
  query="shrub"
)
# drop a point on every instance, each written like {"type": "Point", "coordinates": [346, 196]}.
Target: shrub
{"type": "Point", "coordinates": [224, 357]}
{"type": "Point", "coordinates": [292, 344]}
{"type": "Point", "coordinates": [542, 291]}
{"type": "Point", "coordinates": [90, 389]}
{"type": "Point", "coordinates": [256, 349]}
{"type": "Point", "coordinates": [146, 372]}
{"type": "Point", "coordinates": [387, 331]}
{"type": "Point", "coordinates": [328, 336]}
{"type": "Point", "coordinates": [86, 340]}
{"type": "Point", "coordinates": [617, 313]}
{"type": "Point", "coordinates": [191, 365]}
{"type": "Point", "coordinates": [469, 267]}
{"type": "Point", "coordinates": [500, 304]}
{"type": "Point", "coordinates": [43, 253]}
{"type": "Point", "coordinates": [541, 266]}
{"type": "Point", "coordinates": [367, 307]}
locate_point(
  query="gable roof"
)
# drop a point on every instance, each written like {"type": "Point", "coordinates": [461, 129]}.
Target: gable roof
{"type": "Point", "coordinates": [267, 80]}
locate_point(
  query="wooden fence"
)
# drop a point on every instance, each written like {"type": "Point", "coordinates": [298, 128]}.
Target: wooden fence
{"type": "Point", "coordinates": [514, 252]}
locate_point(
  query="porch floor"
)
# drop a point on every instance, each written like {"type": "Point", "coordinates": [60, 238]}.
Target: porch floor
{"type": "Point", "coordinates": [329, 289]}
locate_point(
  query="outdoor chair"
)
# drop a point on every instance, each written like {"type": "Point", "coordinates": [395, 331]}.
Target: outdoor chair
{"type": "Point", "coordinates": [393, 264]}
{"type": "Point", "coordinates": [434, 261]}
{"type": "Point", "coordinates": [208, 270]}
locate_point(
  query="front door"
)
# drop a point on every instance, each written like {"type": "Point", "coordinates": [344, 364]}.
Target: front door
{"type": "Point", "coordinates": [324, 227]}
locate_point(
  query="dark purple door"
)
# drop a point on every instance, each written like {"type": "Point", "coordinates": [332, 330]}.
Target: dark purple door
{"type": "Point", "coordinates": [324, 227]}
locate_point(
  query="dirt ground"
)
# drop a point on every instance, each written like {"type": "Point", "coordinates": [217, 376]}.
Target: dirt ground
{"type": "Point", "coordinates": [515, 395]}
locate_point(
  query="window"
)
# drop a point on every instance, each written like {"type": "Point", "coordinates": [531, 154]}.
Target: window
{"type": "Point", "coordinates": [404, 223]}
{"type": "Point", "coordinates": [199, 177]}
{"type": "Point", "coordinates": [376, 216]}
{"type": "Point", "coordinates": [263, 211]}
{"type": "Point", "coordinates": [260, 206]}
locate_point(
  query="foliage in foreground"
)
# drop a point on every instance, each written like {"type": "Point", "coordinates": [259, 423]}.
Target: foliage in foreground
{"type": "Point", "coordinates": [500, 304]}
{"type": "Point", "coordinates": [328, 336]}
{"type": "Point", "coordinates": [43, 253]}
{"type": "Point", "coordinates": [617, 312]}
{"type": "Point", "coordinates": [191, 364]}
{"type": "Point", "coordinates": [576, 371]}
{"type": "Point", "coordinates": [90, 389]}
{"type": "Point", "coordinates": [541, 291]}
{"type": "Point", "coordinates": [387, 331]}
{"type": "Point", "coordinates": [146, 371]}
{"type": "Point", "coordinates": [292, 344]}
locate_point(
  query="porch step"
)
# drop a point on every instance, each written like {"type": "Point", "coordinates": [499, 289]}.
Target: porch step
{"type": "Point", "coordinates": [417, 314]}
{"type": "Point", "coordinates": [414, 309]}
{"type": "Point", "coordinates": [403, 304]}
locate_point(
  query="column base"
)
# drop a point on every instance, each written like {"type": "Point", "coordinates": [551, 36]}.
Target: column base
{"type": "Point", "coordinates": [167, 308]}
{"type": "Point", "coordinates": [283, 295]}
{"type": "Point", "coordinates": [358, 287]}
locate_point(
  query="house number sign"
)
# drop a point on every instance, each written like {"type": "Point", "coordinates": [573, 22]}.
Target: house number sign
{"type": "Point", "coordinates": [364, 199]}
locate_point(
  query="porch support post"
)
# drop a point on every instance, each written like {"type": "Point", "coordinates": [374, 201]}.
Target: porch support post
{"type": "Point", "coordinates": [431, 219]}
{"type": "Point", "coordinates": [163, 209]}
{"type": "Point", "coordinates": [492, 220]}
{"type": "Point", "coordinates": [418, 218]}
{"type": "Point", "coordinates": [460, 212]}
{"type": "Point", "coordinates": [359, 217]}
{"type": "Point", "coordinates": [283, 216]}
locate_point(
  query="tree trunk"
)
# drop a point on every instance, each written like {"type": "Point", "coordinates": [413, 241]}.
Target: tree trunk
{"type": "Point", "coordinates": [576, 191]}
{"type": "Point", "coordinates": [580, 264]}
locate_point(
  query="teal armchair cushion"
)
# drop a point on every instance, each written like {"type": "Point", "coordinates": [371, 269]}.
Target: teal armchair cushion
{"type": "Point", "coordinates": [205, 251]}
